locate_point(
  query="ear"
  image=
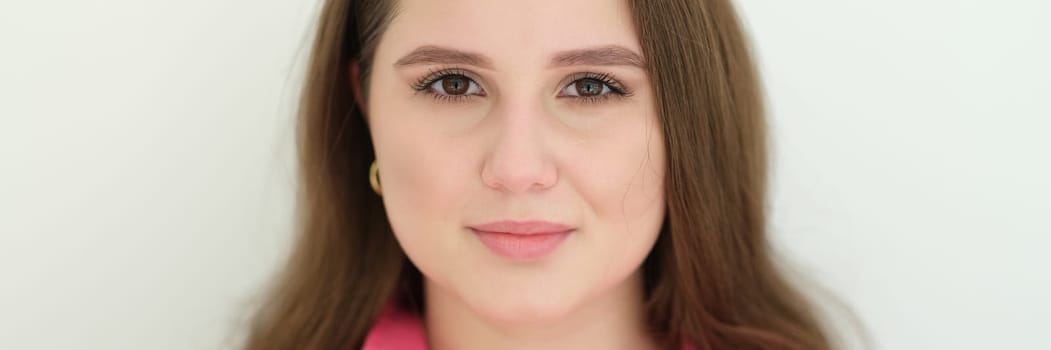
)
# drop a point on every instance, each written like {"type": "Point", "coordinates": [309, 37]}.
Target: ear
{"type": "Point", "coordinates": [355, 85]}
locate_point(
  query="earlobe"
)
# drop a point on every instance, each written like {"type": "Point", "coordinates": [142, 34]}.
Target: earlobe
{"type": "Point", "coordinates": [355, 85]}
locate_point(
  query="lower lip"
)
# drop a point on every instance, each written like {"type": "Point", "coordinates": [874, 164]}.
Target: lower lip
{"type": "Point", "coordinates": [521, 247]}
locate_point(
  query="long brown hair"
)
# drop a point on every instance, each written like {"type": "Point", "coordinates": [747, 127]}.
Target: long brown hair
{"type": "Point", "coordinates": [711, 277]}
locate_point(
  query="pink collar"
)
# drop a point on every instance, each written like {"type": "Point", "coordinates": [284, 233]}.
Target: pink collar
{"type": "Point", "coordinates": [400, 330]}
{"type": "Point", "coordinates": [396, 330]}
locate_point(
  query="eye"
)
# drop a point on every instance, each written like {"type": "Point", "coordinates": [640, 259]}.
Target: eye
{"type": "Point", "coordinates": [455, 85]}
{"type": "Point", "coordinates": [587, 87]}
{"type": "Point", "coordinates": [592, 87]}
{"type": "Point", "coordinates": [448, 85]}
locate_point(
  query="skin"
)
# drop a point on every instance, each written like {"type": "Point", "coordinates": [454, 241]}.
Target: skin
{"type": "Point", "coordinates": [520, 147]}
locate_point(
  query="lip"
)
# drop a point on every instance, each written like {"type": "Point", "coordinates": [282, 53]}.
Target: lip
{"type": "Point", "coordinates": [531, 227]}
{"type": "Point", "coordinates": [522, 240]}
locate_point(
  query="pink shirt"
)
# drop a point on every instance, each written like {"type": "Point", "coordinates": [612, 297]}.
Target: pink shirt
{"type": "Point", "coordinates": [396, 330]}
{"type": "Point", "coordinates": [399, 330]}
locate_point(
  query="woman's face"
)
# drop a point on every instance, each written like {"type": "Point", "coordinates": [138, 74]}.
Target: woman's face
{"type": "Point", "coordinates": [484, 111]}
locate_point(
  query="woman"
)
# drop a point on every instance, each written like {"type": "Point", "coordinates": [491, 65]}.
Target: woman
{"type": "Point", "coordinates": [482, 174]}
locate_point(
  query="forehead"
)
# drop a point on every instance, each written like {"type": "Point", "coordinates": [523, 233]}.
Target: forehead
{"type": "Point", "coordinates": [509, 31]}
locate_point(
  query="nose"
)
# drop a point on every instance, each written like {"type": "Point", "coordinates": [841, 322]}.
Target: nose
{"type": "Point", "coordinates": [519, 159]}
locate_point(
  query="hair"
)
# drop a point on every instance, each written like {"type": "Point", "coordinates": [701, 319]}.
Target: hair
{"type": "Point", "coordinates": [710, 278]}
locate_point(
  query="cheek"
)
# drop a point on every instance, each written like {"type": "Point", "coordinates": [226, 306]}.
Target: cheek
{"type": "Point", "coordinates": [622, 183]}
{"type": "Point", "coordinates": [424, 179]}
{"type": "Point", "coordinates": [622, 175]}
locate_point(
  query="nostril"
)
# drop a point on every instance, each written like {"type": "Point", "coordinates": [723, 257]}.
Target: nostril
{"type": "Point", "coordinates": [519, 177]}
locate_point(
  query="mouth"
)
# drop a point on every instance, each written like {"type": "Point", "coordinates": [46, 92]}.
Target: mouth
{"type": "Point", "coordinates": [522, 240]}
{"type": "Point", "coordinates": [531, 227]}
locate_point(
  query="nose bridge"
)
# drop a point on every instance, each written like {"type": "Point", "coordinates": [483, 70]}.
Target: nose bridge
{"type": "Point", "coordinates": [519, 160]}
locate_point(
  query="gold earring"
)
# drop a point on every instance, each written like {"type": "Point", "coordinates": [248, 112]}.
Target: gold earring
{"type": "Point", "coordinates": [374, 178]}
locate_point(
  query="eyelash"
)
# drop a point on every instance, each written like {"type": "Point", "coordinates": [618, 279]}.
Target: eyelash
{"type": "Point", "coordinates": [617, 90]}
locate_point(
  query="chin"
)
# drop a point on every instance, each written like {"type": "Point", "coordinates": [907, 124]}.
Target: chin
{"type": "Point", "coordinates": [521, 308]}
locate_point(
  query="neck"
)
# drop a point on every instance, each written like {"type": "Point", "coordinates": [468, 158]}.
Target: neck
{"type": "Point", "coordinates": [614, 320]}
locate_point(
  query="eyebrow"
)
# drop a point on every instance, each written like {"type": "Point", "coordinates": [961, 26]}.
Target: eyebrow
{"type": "Point", "coordinates": [609, 55]}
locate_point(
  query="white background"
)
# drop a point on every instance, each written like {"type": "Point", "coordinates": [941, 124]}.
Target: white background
{"type": "Point", "coordinates": [146, 165]}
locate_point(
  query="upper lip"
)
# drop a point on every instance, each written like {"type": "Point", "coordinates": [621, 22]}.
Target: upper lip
{"type": "Point", "coordinates": [522, 227]}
